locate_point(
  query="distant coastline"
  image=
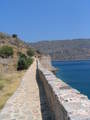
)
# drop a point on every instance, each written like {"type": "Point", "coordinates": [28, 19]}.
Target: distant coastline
{"type": "Point", "coordinates": [78, 49]}
{"type": "Point", "coordinates": [71, 60]}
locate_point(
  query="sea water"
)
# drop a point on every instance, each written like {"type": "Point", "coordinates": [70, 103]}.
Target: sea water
{"type": "Point", "coordinates": [75, 73]}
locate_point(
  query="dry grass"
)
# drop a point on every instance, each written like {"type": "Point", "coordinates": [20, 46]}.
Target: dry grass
{"type": "Point", "coordinates": [8, 85]}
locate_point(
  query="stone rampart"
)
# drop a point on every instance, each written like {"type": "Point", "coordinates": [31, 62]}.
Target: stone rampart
{"type": "Point", "coordinates": [65, 102]}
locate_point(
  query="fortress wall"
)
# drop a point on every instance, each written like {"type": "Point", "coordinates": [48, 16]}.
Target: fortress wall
{"type": "Point", "coordinates": [65, 102]}
{"type": "Point", "coordinates": [45, 60]}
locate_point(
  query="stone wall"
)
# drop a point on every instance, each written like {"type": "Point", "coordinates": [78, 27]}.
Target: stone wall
{"type": "Point", "coordinates": [7, 64]}
{"type": "Point", "coordinates": [65, 102]}
{"type": "Point", "coordinates": [45, 60]}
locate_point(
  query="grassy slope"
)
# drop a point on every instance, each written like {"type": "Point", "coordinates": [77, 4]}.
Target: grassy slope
{"type": "Point", "coordinates": [8, 85]}
{"type": "Point", "coordinates": [17, 45]}
{"type": "Point", "coordinates": [10, 78]}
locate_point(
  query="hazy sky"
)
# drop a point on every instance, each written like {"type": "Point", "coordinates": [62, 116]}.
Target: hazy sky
{"type": "Point", "coordinates": [35, 20]}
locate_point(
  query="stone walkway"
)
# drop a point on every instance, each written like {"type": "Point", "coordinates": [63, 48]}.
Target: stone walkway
{"type": "Point", "coordinates": [27, 103]}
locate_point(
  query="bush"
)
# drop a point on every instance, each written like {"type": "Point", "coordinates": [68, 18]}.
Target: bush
{"type": "Point", "coordinates": [30, 52]}
{"type": "Point", "coordinates": [24, 62]}
{"type": "Point", "coordinates": [22, 55]}
{"type": "Point", "coordinates": [14, 35]}
{"type": "Point", "coordinates": [6, 51]}
{"type": "Point", "coordinates": [29, 61]}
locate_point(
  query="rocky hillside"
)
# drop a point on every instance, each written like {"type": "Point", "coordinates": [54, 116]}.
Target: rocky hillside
{"type": "Point", "coordinates": [10, 63]}
{"type": "Point", "coordinates": [77, 49]}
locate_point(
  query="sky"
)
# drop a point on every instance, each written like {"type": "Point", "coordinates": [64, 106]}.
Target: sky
{"type": "Point", "coordinates": [36, 20]}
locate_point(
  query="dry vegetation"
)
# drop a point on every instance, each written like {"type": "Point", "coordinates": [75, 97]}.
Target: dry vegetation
{"type": "Point", "coordinates": [8, 84]}
{"type": "Point", "coordinates": [14, 54]}
{"type": "Point", "coordinates": [18, 46]}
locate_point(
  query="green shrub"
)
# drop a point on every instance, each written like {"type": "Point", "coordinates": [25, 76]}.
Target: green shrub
{"type": "Point", "coordinates": [6, 51]}
{"type": "Point", "coordinates": [22, 55]}
{"type": "Point", "coordinates": [29, 61]}
{"type": "Point", "coordinates": [14, 35]}
{"type": "Point", "coordinates": [30, 52]}
{"type": "Point", "coordinates": [24, 62]}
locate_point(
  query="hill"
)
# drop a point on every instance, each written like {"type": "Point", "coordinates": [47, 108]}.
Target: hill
{"type": "Point", "coordinates": [19, 46]}
{"type": "Point", "coordinates": [76, 49]}
{"type": "Point", "coordinates": [10, 78]}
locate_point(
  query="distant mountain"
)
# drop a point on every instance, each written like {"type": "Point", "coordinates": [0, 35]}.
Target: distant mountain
{"type": "Point", "coordinates": [76, 49]}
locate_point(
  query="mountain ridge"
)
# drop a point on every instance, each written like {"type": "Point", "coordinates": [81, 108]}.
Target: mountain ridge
{"type": "Point", "coordinates": [75, 49]}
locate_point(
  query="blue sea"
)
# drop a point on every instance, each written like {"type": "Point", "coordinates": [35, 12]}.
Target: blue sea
{"type": "Point", "coordinates": [75, 73]}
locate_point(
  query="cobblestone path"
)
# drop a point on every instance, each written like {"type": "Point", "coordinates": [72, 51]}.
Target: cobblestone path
{"type": "Point", "coordinates": [26, 103]}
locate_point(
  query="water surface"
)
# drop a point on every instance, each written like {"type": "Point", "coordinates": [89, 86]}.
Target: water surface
{"type": "Point", "coordinates": [75, 73]}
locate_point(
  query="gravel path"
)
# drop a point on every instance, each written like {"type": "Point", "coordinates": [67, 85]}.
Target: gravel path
{"type": "Point", "coordinates": [28, 101]}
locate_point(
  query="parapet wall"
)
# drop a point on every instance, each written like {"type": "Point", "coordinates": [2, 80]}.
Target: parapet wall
{"type": "Point", "coordinates": [65, 102]}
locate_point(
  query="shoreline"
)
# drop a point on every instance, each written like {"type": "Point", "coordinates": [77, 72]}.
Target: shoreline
{"type": "Point", "coordinates": [72, 77]}
{"type": "Point", "coordinates": [70, 60]}
{"type": "Point", "coordinates": [68, 101]}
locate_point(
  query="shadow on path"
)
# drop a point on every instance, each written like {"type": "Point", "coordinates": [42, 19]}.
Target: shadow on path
{"type": "Point", "coordinates": [45, 110]}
